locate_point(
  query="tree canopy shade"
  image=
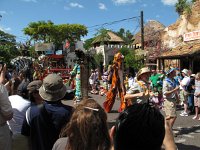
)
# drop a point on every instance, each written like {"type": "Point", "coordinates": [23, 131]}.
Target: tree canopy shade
{"type": "Point", "coordinates": [49, 32]}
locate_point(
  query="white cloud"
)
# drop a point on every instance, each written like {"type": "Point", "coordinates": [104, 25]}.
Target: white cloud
{"type": "Point", "coordinates": [5, 29]}
{"type": "Point", "coordinates": [102, 6]}
{"type": "Point", "coordinates": [3, 12]}
{"type": "Point", "coordinates": [76, 5]}
{"type": "Point", "coordinates": [169, 2]}
{"type": "Point", "coordinates": [119, 2]}
{"type": "Point", "coordinates": [34, 1]}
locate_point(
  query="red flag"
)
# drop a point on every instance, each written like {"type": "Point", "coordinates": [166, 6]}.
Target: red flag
{"type": "Point", "coordinates": [67, 45]}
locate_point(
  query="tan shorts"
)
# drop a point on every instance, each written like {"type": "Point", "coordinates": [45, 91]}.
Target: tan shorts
{"type": "Point", "coordinates": [197, 101]}
{"type": "Point", "coordinates": [183, 96]}
{"type": "Point", "coordinates": [170, 108]}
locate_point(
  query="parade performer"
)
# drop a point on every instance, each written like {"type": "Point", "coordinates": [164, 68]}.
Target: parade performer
{"type": "Point", "coordinates": [117, 85]}
{"type": "Point", "coordinates": [76, 72]}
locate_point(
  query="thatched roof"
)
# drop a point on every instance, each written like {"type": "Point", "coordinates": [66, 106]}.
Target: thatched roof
{"type": "Point", "coordinates": [152, 31]}
{"type": "Point", "coordinates": [113, 38]}
{"type": "Point", "coordinates": [182, 51]}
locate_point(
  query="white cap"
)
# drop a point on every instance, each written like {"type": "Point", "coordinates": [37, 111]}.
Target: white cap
{"type": "Point", "coordinates": [185, 71]}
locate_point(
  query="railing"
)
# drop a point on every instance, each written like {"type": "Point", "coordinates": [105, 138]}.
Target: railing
{"type": "Point", "coordinates": [64, 72]}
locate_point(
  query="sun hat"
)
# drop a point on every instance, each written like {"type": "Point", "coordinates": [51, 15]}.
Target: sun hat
{"type": "Point", "coordinates": [142, 71]}
{"type": "Point", "coordinates": [170, 71]}
{"type": "Point", "coordinates": [52, 88]}
{"type": "Point", "coordinates": [192, 75]}
{"type": "Point", "coordinates": [185, 71]}
{"type": "Point", "coordinates": [34, 86]}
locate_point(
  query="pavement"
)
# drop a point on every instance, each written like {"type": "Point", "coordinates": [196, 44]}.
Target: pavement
{"type": "Point", "coordinates": [186, 129]}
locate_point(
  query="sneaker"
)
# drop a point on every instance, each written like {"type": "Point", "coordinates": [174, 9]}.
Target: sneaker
{"type": "Point", "coordinates": [184, 114]}
{"type": "Point", "coordinates": [195, 118]}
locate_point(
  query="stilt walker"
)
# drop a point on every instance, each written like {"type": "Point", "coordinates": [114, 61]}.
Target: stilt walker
{"type": "Point", "coordinates": [80, 72]}
{"type": "Point", "coordinates": [117, 85]}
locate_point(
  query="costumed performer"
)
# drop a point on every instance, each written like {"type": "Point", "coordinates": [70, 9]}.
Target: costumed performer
{"type": "Point", "coordinates": [117, 85]}
{"type": "Point", "coordinates": [76, 72]}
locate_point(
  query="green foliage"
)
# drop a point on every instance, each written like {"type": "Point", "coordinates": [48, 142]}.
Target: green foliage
{"type": "Point", "coordinates": [42, 31]}
{"type": "Point", "coordinates": [98, 58]}
{"type": "Point", "coordinates": [131, 59]}
{"type": "Point", "coordinates": [102, 36]}
{"type": "Point", "coordinates": [88, 43]}
{"type": "Point", "coordinates": [125, 35]}
{"type": "Point", "coordinates": [125, 51]}
{"type": "Point", "coordinates": [8, 48]}
{"type": "Point", "coordinates": [184, 6]}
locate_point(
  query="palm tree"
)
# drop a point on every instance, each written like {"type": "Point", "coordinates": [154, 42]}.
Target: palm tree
{"type": "Point", "coordinates": [102, 36]}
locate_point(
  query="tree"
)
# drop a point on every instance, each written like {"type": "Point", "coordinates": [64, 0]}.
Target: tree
{"type": "Point", "coordinates": [48, 32]}
{"type": "Point", "coordinates": [102, 36]}
{"type": "Point", "coordinates": [39, 31]}
{"type": "Point", "coordinates": [8, 48]}
{"type": "Point", "coordinates": [184, 6]}
{"type": "Point", "coordinates": [131, 60]}
{"type": "Point", "coordinates": [98, 58]}
{"type": "Point", "coordinates": [125, 35]}
{"type": "Point", "coordinates": [88, 43]}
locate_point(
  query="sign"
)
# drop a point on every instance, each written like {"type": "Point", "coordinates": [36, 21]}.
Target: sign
{"type": "Point", "coordinates": [195, 35]}
{"type": "Point", "coordinates": [59, 52]}
{"type": "Point", "coordinates": [49, 52]}
{"type": "Point", "coordinates": [44, 47]}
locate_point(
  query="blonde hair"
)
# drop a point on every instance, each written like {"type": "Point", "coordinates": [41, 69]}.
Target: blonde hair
{"type": "Point", "coordinates": [87, 129]}
{"type": "Point", "coordinates": [197, 76]}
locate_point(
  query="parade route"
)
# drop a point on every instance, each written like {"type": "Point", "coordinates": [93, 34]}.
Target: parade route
{"type": "Point", "coordinates": [186, 129]}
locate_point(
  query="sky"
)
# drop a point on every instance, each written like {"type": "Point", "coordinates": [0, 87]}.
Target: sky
{"type": "Point", "coordinates": [17, 14]}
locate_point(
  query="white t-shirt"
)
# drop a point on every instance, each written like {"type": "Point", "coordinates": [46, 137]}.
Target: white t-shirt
{"type": "Point", "coordinates": [185, 81]}
{"type": "Point", "coordinates": [130, 81]}
{"type": "Point", "coordinates": [19, 105]}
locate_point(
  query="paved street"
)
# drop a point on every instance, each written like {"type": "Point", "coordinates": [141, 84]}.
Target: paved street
{"type": "Point", "coordinates": [187, 129]}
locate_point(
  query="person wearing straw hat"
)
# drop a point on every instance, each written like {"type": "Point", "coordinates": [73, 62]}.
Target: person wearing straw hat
{"type": "Point", "coordinates": [170, 95]}
{"type": "Point", "coordinates": [139, 92]}
{"type": "Point", "coordinates": [44, 122]}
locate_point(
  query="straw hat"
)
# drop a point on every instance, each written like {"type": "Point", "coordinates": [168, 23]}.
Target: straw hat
{"type": "Point", "coordinates": [52, 88]}
{"type": "Point", "coordinates": [142, 71]}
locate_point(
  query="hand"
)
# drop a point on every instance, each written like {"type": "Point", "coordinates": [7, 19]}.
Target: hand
{"type": "Point", "coordinates": [168, 141]}
{"type": "Point", "coordinates": [177, 88]}
{"type": "Point", "coordinates": [2, 74]}
{"type": "Point", "coordinates": [112, 132]}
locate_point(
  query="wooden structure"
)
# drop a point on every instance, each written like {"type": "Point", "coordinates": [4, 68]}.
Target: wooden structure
{"type": "Point", "coordinates": [187, 56]}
